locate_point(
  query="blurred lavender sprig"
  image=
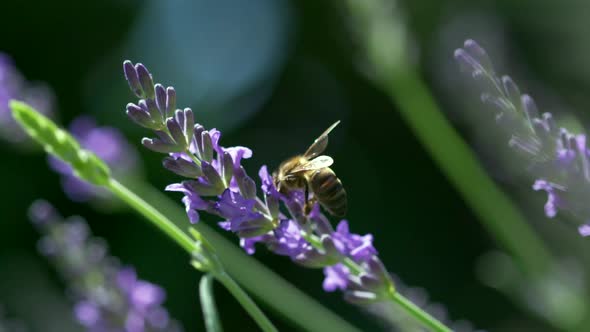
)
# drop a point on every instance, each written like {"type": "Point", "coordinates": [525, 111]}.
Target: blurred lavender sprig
{"type": "Point", "coordinates": [557, 158]}
{"type": "Point", "coordinates": [219, 185]}
{"type": "Point", "coordinates": [107, 295]}
{"type": "Point", "coordinates": [13, 85]}
{"type": "Point", "coordinates": [107, 143]}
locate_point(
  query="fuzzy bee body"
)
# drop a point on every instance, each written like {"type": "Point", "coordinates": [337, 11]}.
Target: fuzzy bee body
{"type": "Point", "coordinates": [329, 191]}
{"type": "Point", "coordinates": [311, 171]}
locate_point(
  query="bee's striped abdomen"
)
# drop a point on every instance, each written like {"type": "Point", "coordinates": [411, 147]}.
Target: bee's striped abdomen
{"type": "Point", "coordinates": [329, 191]}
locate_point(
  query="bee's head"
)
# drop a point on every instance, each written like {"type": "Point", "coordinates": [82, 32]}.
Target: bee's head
{"type": "Point", "coordinates": [285, 181]}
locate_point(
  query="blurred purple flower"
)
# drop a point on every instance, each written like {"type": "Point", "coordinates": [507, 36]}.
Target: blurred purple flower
{"type": "Point", "coordinates": [107, 143]}
{"type": "Point", "coordinates": [556, 158]}
{"type": "Point", "coordinates": [218, 184]}
{"type": "Point", "coordinates": [108, 297]}
{"type": "Point", "coordinates": [14, 86]}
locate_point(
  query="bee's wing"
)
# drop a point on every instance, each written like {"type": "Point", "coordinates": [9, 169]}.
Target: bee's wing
{"type": "Point", "coordinates": [317, 163]}
{"type": "Point", "coordinates": [320, 144]}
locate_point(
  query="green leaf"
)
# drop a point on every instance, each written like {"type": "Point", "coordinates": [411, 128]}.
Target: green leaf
{"type": "Point", "coordinates": [208, 306]}
{"type": "Point", "coordinates": [60, 143]}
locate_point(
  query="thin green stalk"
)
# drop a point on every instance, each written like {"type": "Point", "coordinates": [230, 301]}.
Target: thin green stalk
{"type": "Point", "coordinates": [421, 315]}
{"type": "Point", "coordinates": [208, 306]}
{"type": "Point", "coordinates": [152, 215]}
{"type": "Point", "coordinates": [182, 239]}
{"type": "Point", "coordinates": [246, 302]}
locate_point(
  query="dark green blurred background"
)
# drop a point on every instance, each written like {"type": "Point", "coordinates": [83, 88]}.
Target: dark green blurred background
{"type": "Point", "coordinates": [272, 75]}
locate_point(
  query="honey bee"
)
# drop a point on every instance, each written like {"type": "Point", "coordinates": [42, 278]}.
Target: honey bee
{"type": "Point", "coordinates": [311, 171]}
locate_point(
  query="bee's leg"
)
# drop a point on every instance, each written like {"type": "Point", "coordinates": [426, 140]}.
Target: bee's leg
{"type": "Point", "coordinates": [309, 202]}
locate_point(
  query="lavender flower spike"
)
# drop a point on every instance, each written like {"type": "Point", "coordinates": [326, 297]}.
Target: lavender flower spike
{"type": "Point", "coordinates": [557, 159]}
{"type": "Point", "coordinates": [108, 296]}
{"type": "Point", "coordinates": [216, 183]}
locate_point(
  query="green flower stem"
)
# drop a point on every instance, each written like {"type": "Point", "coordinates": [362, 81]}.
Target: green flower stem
{"type": "Point", "coordinates": [421, 315]}
{"type": "Point", "coordinates": [208, 306]}
{"type": "Point", "coordinates": [246, 302]}
{"type": "Point", "coordinates": [182, 239]}
{"type": "Point", "coordinates": [152, 215]}
{"type": "Point", "coordinates": [268, 287]}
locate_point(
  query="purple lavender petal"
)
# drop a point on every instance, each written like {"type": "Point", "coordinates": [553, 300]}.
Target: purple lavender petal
{"type": "Point", "coordinates": [336, 277]}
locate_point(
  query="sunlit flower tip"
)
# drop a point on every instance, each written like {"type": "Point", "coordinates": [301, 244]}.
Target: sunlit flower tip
{"type": "Point", "coordinates": [335, 277]}
{"type": "Point", "coordinates": [133, 78]}
{"type": "Point", "coordinates": [87, 314]}
{"type": "Point", "coordinates": [182, 167]}
{"type": "Point", "coordinates": [146, 81]}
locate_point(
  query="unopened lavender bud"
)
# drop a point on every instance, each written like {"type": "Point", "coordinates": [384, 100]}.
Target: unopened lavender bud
{"type": "Point", "coordinates": [189, 124]}
{"type": "Point", "coordinates": [161, 97]}
{"type": "Point", "coordinates": [478, 53]}
{"type": "Point", "coordinates": [212, 176]}
{"type": "Point", "coordinates": [176, 132]}
{"type": "Point", "coordinates": [511, 90]}
{"type": "Point", "coordinates": [228, 167]}
{"type": "Point", "coordinates": [182, 167]}
{"type": "Point", "coordinates": [529, 106]}
{"type": "Point", "coordinates": [206, 147]}
{"type": "Point", "coordinates": [202, 189]}
{"type": "Point", "coordinates": [139, 116]}
{"type": "Point", "coordinates": [132, 79]}
{"type": "Point", "coordinates": [146, 81]}
{"type": "Point", "coordinates": [157, 145]}
{"type": "Point", "coordinates": [170, 100]}
{"type": "Point", "coordinates": [198, 139]}
{"type": "Point", "coordinates": [466, 62]}
{"type": "Point", "coordinates": [149, 106]}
